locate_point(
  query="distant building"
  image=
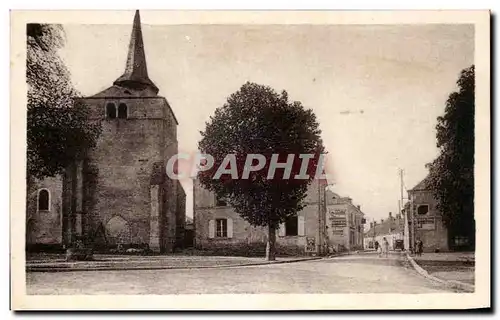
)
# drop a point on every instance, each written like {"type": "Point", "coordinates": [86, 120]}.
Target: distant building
{"type": "Point", "coordinates": [391, 229]}
{"type": "Point", "coordinates": [189, 233]}
{"type": "Point", "coordinates": [425, 220]}
{"type": "Point", "coordinates": [345, 223]}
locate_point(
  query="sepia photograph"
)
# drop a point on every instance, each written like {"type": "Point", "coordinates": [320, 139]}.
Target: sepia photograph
{"type": "Point", "coordinates": [250, 160]}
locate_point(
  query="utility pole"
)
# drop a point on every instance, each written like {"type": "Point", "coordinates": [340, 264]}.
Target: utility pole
{"type": "Point", "coordinates": [325, 241]}
{"type": "Point", "coordinates": [407, 229]}
{"type": "Point", "coordinates": [194, 212]}
{"type": "Point", "coordinates": [412, 209]}
{"type": "Point", "coordinates": [318, 245]}
{"type": "Point", "coordinates": [402, 186]}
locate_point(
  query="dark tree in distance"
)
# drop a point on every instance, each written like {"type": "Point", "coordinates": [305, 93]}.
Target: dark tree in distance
{"type": "Point", "coordinates": [58, 130]}
{"type": "Point", "coordinates": [257, 120]}
{"type": "Point", "coordinates": [452, 174]}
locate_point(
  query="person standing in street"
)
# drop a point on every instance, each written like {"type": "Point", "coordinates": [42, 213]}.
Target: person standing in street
{"type": "Point", "coordinates": [420, 247]}
{"type": "Point", "coordinates": [385, 246]}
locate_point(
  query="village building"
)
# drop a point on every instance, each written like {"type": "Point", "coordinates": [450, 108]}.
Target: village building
{"type": "Point", "coordinates": [425, 221]}
{"type": "Point", "coordinates": [392, 229]}
{"type": "Point", "coordinates": [119, 193]}
{"type": "Point", "coordinates": [345, 223]}
{"type": "Point", "coordinates": [219, 228]}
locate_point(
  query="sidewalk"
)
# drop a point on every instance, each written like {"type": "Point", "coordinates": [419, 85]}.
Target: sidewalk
{"type": "Point", "coordinates": [55, 263]}
{"type": "Point", "coordinates": [447, 256]}
{"type": "Point", "coordinates": [456, 268]}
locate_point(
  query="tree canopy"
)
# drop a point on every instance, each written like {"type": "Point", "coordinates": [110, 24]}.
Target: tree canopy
{"type": "Point", "coordinates": [452, 173]}
{"type": "Point", "coordinates": [257, 120]}
{"type": "Point", "coordinates": [58, 130]}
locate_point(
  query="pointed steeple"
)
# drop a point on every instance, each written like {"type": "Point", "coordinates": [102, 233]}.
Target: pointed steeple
{"type": "Point", "coordinates": [136, 71]}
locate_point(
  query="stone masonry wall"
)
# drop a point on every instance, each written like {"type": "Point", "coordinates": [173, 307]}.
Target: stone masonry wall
{"type": "Point", "coordinates": [353, 225]}
{"type": "Point", "coordinates": [245, 236]}
{"type": "Point", "coordinates": [180, 216]}
{"type": "Point", "coordinates": [44, 226]}
{"type": "Point", "coordinates": [123, 159]}
{"type": "Point", "coordinates": [432, 239]}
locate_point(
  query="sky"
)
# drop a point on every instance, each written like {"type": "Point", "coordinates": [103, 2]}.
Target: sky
{"type": "Point", "coordinates": [376, 89]}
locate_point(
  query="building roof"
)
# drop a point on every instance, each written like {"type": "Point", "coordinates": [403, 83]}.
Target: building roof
{"type": "Point", "coordinates": [331, 195]}
{"type": "Point", "coordinates": [116, 91]}
{"type": "Point", "coordinates": [135, 80]}
{"type": "Point", "coordinates": [422, 185]}
{"type": "Point", "coordinates": [333, 198]}
{"type": "Point", "coordinates": [396, 225]}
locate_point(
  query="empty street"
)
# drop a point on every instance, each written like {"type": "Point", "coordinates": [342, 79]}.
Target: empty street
{"type": "Point", "coordinates": [363, 273]}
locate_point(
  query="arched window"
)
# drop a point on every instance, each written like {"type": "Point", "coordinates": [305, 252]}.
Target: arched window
{"type": "Point", "coordinates": [43, 199]}
{"type": "Point", "coordinates": [110, 111]}
{"type": "Point", "coordinates": [122, 111]}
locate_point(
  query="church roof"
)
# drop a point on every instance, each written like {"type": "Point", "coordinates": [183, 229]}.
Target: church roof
{"type": "Point", "coordinates": [136, 76]}
{"type": "Point", "coordinates": [122, 92]}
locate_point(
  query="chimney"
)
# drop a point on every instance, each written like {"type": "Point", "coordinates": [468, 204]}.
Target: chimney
{"type": "Point", "coordinates": [381, 221]}
{"type": "Point", "coordinates": [390, 215]}
{"type": "Point", "coordinates": [359, 207]}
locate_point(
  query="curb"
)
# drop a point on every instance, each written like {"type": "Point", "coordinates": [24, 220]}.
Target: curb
{"type": "Point", "coordinates": [452, 284]}
{"type": "Point", "coordinates": [73, 269]}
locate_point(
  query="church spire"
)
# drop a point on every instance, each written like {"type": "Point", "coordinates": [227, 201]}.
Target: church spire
{"type": "Point", "coordinates": [136, 71]}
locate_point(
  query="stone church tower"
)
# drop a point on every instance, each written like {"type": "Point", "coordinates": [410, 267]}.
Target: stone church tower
{"type": "Point", "coordinates": [120, 193]}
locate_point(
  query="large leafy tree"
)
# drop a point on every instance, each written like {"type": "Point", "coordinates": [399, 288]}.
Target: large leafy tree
{"type": "Point", "coordinates": [58, 130]}
{"type": "Point", "coordinates": [257, 120]}
{"type": "Point", "coordinates": [452, 173]}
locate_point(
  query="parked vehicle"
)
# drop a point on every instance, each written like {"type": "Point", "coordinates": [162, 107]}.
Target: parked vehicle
{"type": "Point", "coordinates": [399, 245]}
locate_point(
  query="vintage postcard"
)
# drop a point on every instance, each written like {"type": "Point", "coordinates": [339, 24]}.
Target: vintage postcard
{"type": "Point", "coordinates": [240, 160]}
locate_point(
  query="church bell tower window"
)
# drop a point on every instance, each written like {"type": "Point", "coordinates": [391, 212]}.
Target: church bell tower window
{"type": "Point", "coordinates": [122, 111]}
{"type": "Point", "coordinates": [110, 111]}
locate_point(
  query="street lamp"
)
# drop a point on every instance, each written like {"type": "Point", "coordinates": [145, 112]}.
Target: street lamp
{"type": "Point", "coordinates": [322, 232]}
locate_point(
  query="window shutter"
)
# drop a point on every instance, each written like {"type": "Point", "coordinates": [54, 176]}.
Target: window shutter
{"type": "Point", "coordinates": [301, 231]}
{"type": "Point", "coordinates": [229, 228]}
{"type": "Point", "coordinates": [281, 231]}
{"type": "Point", "coordinates": [211, 229]}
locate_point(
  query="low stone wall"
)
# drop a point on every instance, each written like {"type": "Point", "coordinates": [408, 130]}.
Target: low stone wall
{"type": "Point", "coordinates": [79, 254]}
{"type": "Point", "coordinates": [45, 248]}
{"type": "Point", "coordinates": [253, 249]}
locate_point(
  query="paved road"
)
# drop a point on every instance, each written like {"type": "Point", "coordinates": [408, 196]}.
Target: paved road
{"type": "Point", "coordinates": [348, 274]}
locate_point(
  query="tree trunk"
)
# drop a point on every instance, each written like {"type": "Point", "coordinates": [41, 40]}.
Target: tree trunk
{"type": "Point", "coordinates": [271, 243]}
